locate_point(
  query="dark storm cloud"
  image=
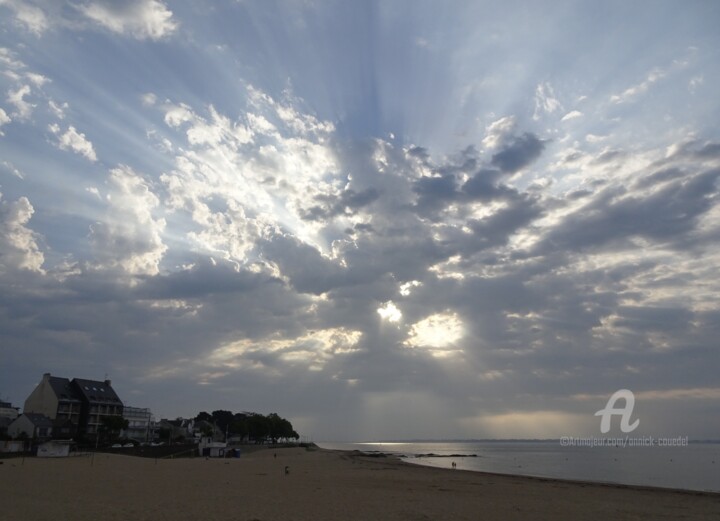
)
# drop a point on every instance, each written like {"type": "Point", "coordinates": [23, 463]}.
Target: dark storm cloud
{"type": "Point", "coordinates": [485, 186]}
{"type": "Point", "coordinates": [202, 279]}
{"type": "Point", "coordinates": [434, 194]}
{"type": "Point", "coordinates": [497, 229]}
{"type": "Point", "coordinates": [519, 153]}
{"type": "Point", "coordinates": [668, 215]}
{"type": "Point", "coordinates": [347, 204]}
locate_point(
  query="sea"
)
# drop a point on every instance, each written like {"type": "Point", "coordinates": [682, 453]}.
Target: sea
{"type": "Point", "coordinates": [695, 466]}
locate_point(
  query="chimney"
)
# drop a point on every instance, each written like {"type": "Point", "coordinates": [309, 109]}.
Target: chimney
{"type": "Point", "coordinates": [46, 376]}
{"type": "Point", "coordinates": [108, 383]}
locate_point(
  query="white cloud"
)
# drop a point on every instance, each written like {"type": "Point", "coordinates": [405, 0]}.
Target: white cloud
{"type": "Point", "coordinates": [217, 130]}
{"type": "Point", "coordinates": [74, 141]}
{"type": "Point", "coordinates": [31, 17]}
{"type": "Point", "coordinates": [255, 187]}
{"type": "Point", "coordinates": [130, 237]}
{"type": "Point", "coordinates": [8, 60]}
{"type": "Point", "coordinates": [4, 120]}
{"type": "Point", "coordinates": [498, 131]}
{"type": "Point", "coordinates": [695, 82]}
{"type": "Point", "coordinates": [148, 99]}
{"type": "Point", "coordinates": [406, 288]}
{"type": "Point", "coordinates": [390, 312]}
{"type": "Point", "coordinates": [230, 233]}
{"type": "Point", "coordinates": [653, 77]}
{"type": "Point", "coordinates": [58, 109]}
{"type": "Point", "coordinates": [438, 333]}
{"type": "Point", "coordinates": [303, 123]}
{"type": "Point", "coordinates": [141, 19]}
{"type": "Point", "coordinates": [594, 138]}
{"type": "Point", "coordinates": [37, 79]}
{"type": "Point", "coordinates": [23, 109]}
{"type": "Point", "coordinates": [572, 115]}
{"type": "Point", "coordinates": [545, 100]}
{"type": "Point", "coordinates": [18, 243]}
{"type": "Point", "coordinates": [312, 350]}
{"type": "Point", "coordinates": [176, 115]}
{"type": "Point", "coordinates": [12, 168]}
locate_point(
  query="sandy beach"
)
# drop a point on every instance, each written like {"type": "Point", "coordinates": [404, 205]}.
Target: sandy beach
{"type": "Point", "coordinates": [320, 485]}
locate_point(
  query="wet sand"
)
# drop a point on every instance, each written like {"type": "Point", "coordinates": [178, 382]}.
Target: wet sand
{"type": "Point", "coordinates": [320, 485]}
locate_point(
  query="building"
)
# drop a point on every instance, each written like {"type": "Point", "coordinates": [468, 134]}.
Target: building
{"type": "Point", "coordinates": [179, 430]}
{"type": "Point", "coordinates": [141, 424]}
{"type": "Point", "coordinates": [98, 401]}
{"type": "Point", "coordinates": [211, 449]}
{"type": "Point", "coordinates": [33, 426]}
{"type": "Point", "coordinates": [4, 424]}
{"type": "Point", "coordinates": [76, 407]}
{"type": "Point", "coordinates": [8, 411]}
{"type": "Point", "coordinates": [54, 449]}
{"type": "Point", "coordinates": [57, 399]}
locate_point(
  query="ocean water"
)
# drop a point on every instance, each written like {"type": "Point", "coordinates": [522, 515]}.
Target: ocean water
{"type": "Point", "coordinates": [692, 467]}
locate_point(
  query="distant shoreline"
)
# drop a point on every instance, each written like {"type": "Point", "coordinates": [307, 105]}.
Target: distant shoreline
{"type": "Point", "coordinates": [425, 459]}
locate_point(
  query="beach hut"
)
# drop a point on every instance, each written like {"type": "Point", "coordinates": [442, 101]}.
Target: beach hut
{"type": "Point", "coordinates": [211, 449]}
{"type": "Point", "coordinates": [54, 449]}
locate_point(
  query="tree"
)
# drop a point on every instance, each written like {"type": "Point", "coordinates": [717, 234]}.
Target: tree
{"type": "Point", "coordinates": [222, 419]}
{"type": "Point", "coordinates": [239, 425]}
{"type": "Point", "coordinates": [278, 427]}
{"type": "Point", "coordinates": [163, 433]}
{"type": "Point", "coordinates": [203, 416]}
{"type": "Point", "coordinates": [112, 425]}
{"type": "Point", "coordinates": [258, 427]}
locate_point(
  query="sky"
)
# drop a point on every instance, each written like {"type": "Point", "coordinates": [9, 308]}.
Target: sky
{"type": "Point", "coordinates": [379, 219]}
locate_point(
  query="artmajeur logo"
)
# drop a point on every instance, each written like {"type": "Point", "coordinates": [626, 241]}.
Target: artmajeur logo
{"type": "Point", "coordinates": [611, 409]}
{"type": "Point", "coordinates": [625, 413]}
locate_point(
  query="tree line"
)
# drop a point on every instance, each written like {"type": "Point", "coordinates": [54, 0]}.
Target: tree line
{"type": "Point", "coordinates": [256, 427]}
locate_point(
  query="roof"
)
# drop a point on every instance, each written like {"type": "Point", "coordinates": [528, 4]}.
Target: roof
{"type": "Point", "coordinates": [95, 391]}
{"type": "Point", "coordinates": [62, 389]}
{"type": "Point", "coordinates": [39, 420]}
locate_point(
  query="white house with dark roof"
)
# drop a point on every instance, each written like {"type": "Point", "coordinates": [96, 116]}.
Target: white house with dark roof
{"type": "Point", "coordinates": [34, 426]}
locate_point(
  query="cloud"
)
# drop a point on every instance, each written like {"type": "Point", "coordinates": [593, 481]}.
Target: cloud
{"type": "Point", "coordinates": [574, 114]}
{"type": "Point", "coordinates": [4, 120]}
{"type": "Point", "coordinates": [142, 19]}
{"type": "Point", "coordinates": [23, 109]}
{"type": "Point", "coordinates": [74, 141]}
{"type": "Point", "coordinates": [58, 109]}
{"type": "Point", "coordinates": [130, 236]}
{"type": "Point", "coordinates": [7, 59]}
{"type": "Point", "coordinates": [655, 76]}
{"type": "Point", "coordinates": [632, 92]}
{"type": "Point", "coordinates": [519, 153]}
{"type": "Point", "coordinates": [545, 101]}
{"type": "Point", "coordinates": [347, 203]}
{"type": "Point", "coordinates": [667, 215]}
{"type": "Point", "coordinates": [18, 243]}
{"type": "Point", "coordinates": [27, 15]}
{"type": "Point", "coordinates": [498, 130]}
